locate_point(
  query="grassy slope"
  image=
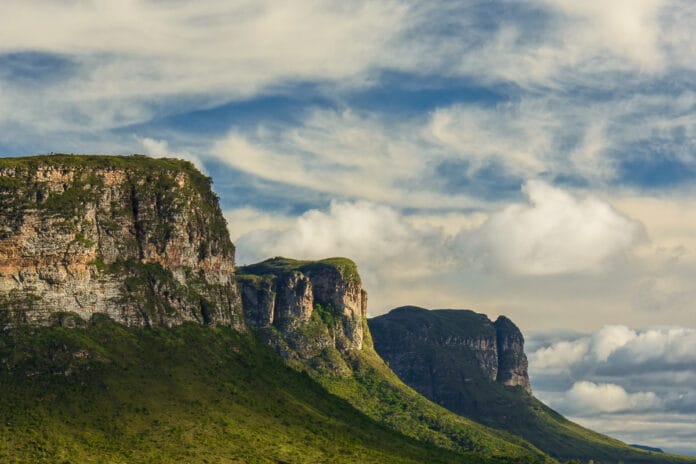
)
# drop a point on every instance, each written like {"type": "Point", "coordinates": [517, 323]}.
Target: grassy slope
{"type": "Point", "coordinates": [369, 385]}
{"type": "Point", "coordinates": [459, 384]}
{"type": "Point", "coordinates": [365, 381]}
{"type": "Point", "coordinates": [193, 394]}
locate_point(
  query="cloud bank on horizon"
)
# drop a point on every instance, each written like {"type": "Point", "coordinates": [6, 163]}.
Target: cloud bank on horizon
{"type": "Point", "coordinates": [528, 157]}
{"type": "Point", "coordinates": [636, 385]}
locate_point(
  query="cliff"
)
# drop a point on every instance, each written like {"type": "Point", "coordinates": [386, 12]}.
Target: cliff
{"type": "Point", "coordinates": [107, 245]}
{"type": "Point", "coordinates": [313, 313]}
{"type": "Point", "coordinates": [142, 240]}
{"type": "Point", "coordinates": [304, 307]}
{"type": "Point", "coordinates": [477, 368]}
{"type": "Point", "coordinates": [512, 362]}
{"type": "Point", "coordinates": [430, 350]}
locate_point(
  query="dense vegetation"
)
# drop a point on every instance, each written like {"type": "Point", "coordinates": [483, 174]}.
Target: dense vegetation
{"type": "Point", "coordinates": [364, 380]}
{"type": "Point", "coordinates": [104, 393]}
{"type": "Point", "coordinates": [278, 266]}
{"type": "Point", "coordinates": [131, 162]}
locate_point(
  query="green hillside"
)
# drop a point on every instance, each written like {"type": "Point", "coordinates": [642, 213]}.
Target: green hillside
{"type": "Point", "coordinates": [362, 378]}
{"type": "Point", "coordinates": [105, 393]}
{"type": "Point", "coordinates": [368, 384]}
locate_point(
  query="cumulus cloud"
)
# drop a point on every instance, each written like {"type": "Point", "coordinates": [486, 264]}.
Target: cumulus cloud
{"type": "Point", "coordinates": [555, 233]}
{"type": "Point", "coordinates": [558, 233]}
{"type": "Point", "coordinates": [618, 349]}
{"type": "Point", "coordinates": [560, 355]}
{"type": "Point", "coordinates": [242, 221]}
{"type": "Point", "coordinates": [658, 348]}
{"type": "Point", "coordinates": [588, 397]}
{"type": "Point", "coordinates": [451, 259]}
{"type": "Point", "coordinates": [377, 237]}
{"type": "Point", "coordinates": [634, 384]}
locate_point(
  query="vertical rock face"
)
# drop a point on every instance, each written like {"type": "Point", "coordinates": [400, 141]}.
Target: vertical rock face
{"type": "Point", "coordinates": [512, 362]}
{"type": "Point", "coordinates": [294, 300]}
{"type": "Point", "coordinates": [342, 297]}
{"type": "Point", "coordinates": [304, 307]}
{"type": "Point", "coordinates": [441, 353]}
{"type": "Point", "coordinates": [139, 239]}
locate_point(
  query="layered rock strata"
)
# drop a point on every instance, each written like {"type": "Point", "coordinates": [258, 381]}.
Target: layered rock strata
{"type": "Point", "coordinates": [142, 240]}
{"type": "Point", "coordinates": [430, 349]}
{"type": "Point", "coordinates": [303, 307]}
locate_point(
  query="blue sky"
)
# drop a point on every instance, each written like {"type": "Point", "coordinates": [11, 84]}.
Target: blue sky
{"type": "Point", "coordinates": [530, 158]}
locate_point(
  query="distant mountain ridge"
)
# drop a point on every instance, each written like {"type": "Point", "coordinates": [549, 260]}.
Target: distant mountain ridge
{"type": "Point", "coordinates": [449, 357]}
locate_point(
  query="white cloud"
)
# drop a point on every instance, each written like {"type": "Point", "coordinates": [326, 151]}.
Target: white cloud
{"type": "Point", "coordinates": [617, 348]}
{"type": "Point", "coordinates": [627, 28]}
{"type": "Point", "coordinates": [673, 433]}
{"type": "Point", "coordinates": [588, 397]}
{"type": "Point", "coordinates": [450, 158]}
{"type": "Point", "coordinates": [517, 135]}
{"type": "Point", "coordinates": [241, 221]}
{"type": "Point", "coordinates": [659, 347]}
{"type": "Point", "coordinates": [560, 355]}
{"type": "Point", "coordinates": [608, 339]}
{"type": "Point", "coordinates": [669, 224]}
{"type": "Point", "coordinates": [378, 238]}
{"type": "Point", "coordinates": [239, 45]}
{"type": "Point", "coordinates": [344, 154]}
{"type": "Point", "coordinates": [397, 255]}
{"type": "Point", "coordinates": [134, 58]}
{"type": "Point", "coordinates": [636, 385]}
{"type": "Point", "coordinates": [554, 234]}
{"type": "Point", "coordinates": [558, 233]}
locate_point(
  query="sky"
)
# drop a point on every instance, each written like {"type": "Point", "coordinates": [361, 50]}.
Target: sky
{"type": "Point", "coordinates": [530, 158]}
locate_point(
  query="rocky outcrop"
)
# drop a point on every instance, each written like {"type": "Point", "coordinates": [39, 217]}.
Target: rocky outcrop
{"type": "Point", "coordinates": [142, 240]}
{"type": "Point", "coordinates": [303, 307]}
{"type": "Point", "coordinates": [477, 369]}
{"type": "Point", "coordinates": [438, 351]}
{"type": "Point", "coordinates": [512, 362]}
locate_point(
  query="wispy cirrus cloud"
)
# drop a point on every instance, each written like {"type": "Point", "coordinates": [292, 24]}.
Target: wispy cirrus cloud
{"type": "Point", "coordinates": [137, 60]}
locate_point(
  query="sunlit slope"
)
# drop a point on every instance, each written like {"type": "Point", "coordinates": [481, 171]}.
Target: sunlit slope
{"type": "Point", "coordinates": [193, 394]}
